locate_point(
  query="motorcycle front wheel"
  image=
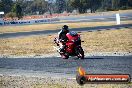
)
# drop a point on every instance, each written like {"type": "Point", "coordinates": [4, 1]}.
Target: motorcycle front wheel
{"type": "Point", "coordinates": [80, 52]}
{"type": "Point", "coordinates": [63, 56]}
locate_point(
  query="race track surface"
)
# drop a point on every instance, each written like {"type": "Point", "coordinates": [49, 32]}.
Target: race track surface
{"type": "Point", "coordinates": [56, 65]}
{"type": "Point", "coordinates": [19, 34]}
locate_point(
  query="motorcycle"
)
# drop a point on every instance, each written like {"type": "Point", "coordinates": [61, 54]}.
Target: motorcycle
{"type": "Point", "coordinates": [73, 46]}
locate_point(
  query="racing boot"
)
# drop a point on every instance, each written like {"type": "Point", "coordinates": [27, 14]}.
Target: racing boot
{"type": "Point", "coordinates": [62, 49]}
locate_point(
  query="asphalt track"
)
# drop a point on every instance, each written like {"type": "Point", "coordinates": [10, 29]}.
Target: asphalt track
{"type": "Point", "coordinates": [93, 64]}
{"type": "Point", "coordinates": [98, 28]}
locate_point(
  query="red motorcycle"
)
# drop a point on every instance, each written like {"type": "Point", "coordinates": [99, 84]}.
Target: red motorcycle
{"type": "Point", "coordinates": [73, 46]}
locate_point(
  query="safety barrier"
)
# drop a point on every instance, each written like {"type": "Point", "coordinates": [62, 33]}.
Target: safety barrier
{"type": "Point", "coordinates": [25, 22]}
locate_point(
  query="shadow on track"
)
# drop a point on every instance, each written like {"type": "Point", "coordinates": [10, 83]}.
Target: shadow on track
{"type": "Point", "coordinates": [93, 58]}
{"type": "Point", "coordinates": [74, 58]}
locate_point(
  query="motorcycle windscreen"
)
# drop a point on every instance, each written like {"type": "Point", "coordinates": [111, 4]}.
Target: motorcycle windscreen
{"type": "Point", "coordinates": [72, 38]}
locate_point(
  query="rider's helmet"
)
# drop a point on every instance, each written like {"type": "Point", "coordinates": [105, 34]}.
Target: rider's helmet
{"type": "Point", "coordinates": [65, 29]}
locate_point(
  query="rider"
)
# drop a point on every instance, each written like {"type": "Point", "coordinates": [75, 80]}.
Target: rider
{"type": "Point", "coordinates": [62, 36]}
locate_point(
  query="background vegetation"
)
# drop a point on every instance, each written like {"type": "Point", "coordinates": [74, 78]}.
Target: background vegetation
{"type": "Point", "coordinates": [32, 7]}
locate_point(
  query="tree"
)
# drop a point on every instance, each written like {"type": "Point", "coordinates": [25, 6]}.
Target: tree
{"type": "Point", "coordinates": [115, 4]}
{"type": "Point", "coordinates": [68, 7]}
{"type": "Point", "coordinates": [81, 5]}
{"type": "Point", "coordinates": [31, 7]}
{"type": "Point", "coordinates": [40, 6]}
{"type": "Point", "coordinates": [6, 5]}
{"type": "Point", "coordinates": [123, 4]}
{"type": "Point", "coordinates": [1, 6]}
{"type": "Point", "coordinates": [106, 5]}
{"type": "Point", "coordinates": [61, 5]}
{"type": "Point", "coordinates": [130, 3]}
{"type": "Point", "coordinates": [93, 5]}
{"type": "Point", "coordinates": [84, 5]}
{"type": "Point", "coordinates": [17, 10]}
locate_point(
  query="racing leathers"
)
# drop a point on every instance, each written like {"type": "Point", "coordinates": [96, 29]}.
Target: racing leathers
{"type": "Point", "coordinates": [63, 39]}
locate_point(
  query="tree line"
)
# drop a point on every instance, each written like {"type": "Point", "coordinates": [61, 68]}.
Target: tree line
{"type": "Point", "coordinates": [19, 8]}
{"type": "Point", "coordinates": [100, 5]}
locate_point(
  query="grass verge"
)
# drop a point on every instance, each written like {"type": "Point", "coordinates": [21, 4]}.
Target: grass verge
{"type": "Point", "coordinates": [98, 41]}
